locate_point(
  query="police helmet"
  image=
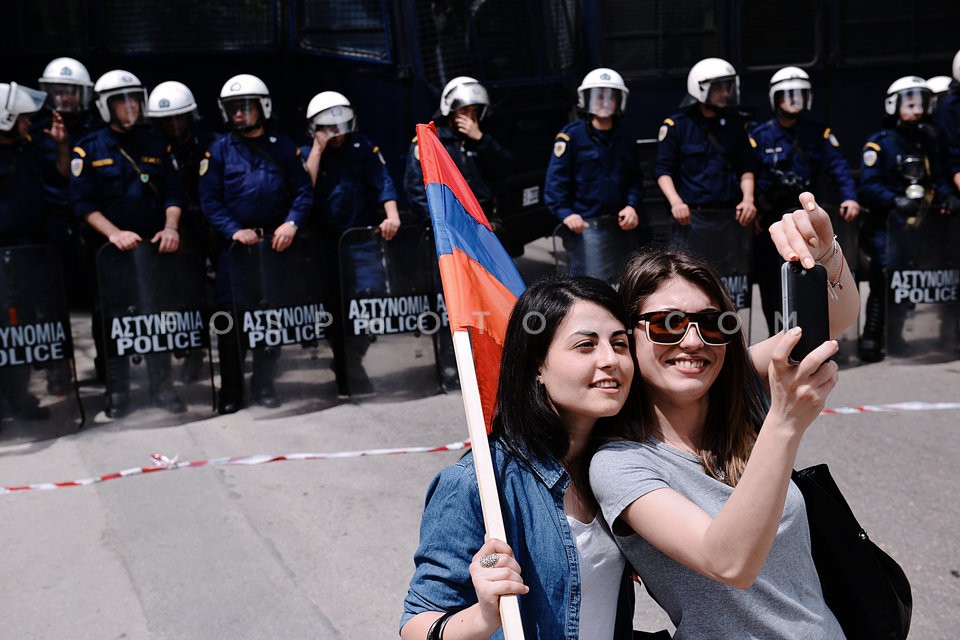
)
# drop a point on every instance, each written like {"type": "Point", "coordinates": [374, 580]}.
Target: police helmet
{"type": "Point", "coordinates": [956, 67]}
{"type": "Point", "coordinates": [245, 86]}
{"type": "Point", "coordinates": [15, 101]}
{"type": "Point", "coordinates": [68, 83]}
{"type": "Point", "coordinates": [712, 73]}
{"type": "Point", "coordinates": [464, 91]}
{"type": "Point", "coordinates": [331, 111]}
{"type": "Point", "coordinates": [599, 86]}
{"type": "Point", "coordinates": [114, 84]}
{"type": "Point", "coordinates": [907, 86]}
{"type": "Point", "coordinates": [790, 79]}
{"type": "Point", "coordinates": [170, 98]}
{"type": "Point", "coordinates": [939, 86]}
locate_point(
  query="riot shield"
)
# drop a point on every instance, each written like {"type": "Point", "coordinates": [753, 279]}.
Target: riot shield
{"type": "Point", "coordinates": [923, 282]}
{"type": "Point", "coordinates": [848, 236]}
{"type": "Point", "coordinates": [38, 391]}
{"type": "Point", "coordinates": [154, 323]}
{"type": "Point", "coordinates": [389, 312]}
{"type": "Point", "coordinates": [716, 236]}
{"type": "Point", "coordinates": [281, 321]}
{"type": "Point", "coordinates": [602, 250]}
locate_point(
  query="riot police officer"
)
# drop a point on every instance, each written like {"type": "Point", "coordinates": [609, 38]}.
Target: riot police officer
{"type": "Point", "coordinates": [480, 159]}
{"type": "Point", "coordinates": [126, 191]}
{"type": "Point", "coordinates": [21, 220]}
{"type": "Point", "coordinates": [594, 170]}
{"type": "Point", "coordinates": [55, 130]}
{"type": "Point", "coordinates": [252, 181]}
{"type": "Point", "coordinates": [477, 154]}
{"type": "Point", "coordinates": [172, 110]}
{"type": "Point", "coordinates": [705, 165]}
{"type": "Point", "coordinates": [939, 88]}
{"type": "Point", "coordinates": [901, 178]}
{"type": "Point", "coordinates": [793, 151]}
{"type": "Point", "coordinates": [351, 188]}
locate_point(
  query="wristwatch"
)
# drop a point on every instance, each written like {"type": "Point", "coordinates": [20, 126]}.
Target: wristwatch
{"type": "Point", "coordinates": [292, 224]}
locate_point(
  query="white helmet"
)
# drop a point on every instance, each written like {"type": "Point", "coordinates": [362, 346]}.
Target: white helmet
{"type": "Point", "coordinates": [115, 83]}
{"type": "Point", "coordinates": [907, 86]}
{"type": "Point", "coordinates": [939, 84]}
{"type": "Point", "coordinates": [170, 98]}
{"type": "Point", "coordinates": [709, 72]}
{"type": "Point", "coordinates": [68, 83]}
{"type": "Point", "coordinates": [599, 85]}
{"type": "Point", "coordinates": [790, 79]}
{"type": "Point", "coordinates": [246, 86]}
{"type": "Point", "coordinates": [16, 101]}
{"type": "Point", "coordinates": [463, 91]}
{"type": "Point", "coordinates": [331, 110]}
{"type": "Point", "coordinates": [956, 67]}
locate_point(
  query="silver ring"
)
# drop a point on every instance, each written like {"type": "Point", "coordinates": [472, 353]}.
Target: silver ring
{"type": "Point", "coordinates": [489, 561]}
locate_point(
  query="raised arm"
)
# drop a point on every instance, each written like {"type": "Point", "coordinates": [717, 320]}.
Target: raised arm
{"type": "Point", "coordinates": [806, 235]}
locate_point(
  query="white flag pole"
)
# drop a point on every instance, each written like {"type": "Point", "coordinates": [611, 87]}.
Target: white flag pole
{"type": "Point", "coordinates": [483, 463]}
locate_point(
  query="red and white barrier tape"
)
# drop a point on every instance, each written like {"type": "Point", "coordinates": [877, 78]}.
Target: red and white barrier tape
{"type": "Point", "coordinates": [163, 463]}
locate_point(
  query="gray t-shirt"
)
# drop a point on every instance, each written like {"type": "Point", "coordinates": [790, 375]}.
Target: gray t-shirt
{"type": "Point", "coordinates": [785, 601]}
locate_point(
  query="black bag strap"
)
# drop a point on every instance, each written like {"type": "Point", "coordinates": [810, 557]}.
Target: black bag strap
{"type": "Point", "coordinates": [712, 137]}
{"type": "Point", "coordinates": [140, 173]}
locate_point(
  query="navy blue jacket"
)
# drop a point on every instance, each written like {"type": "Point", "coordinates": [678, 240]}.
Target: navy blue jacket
{"type": "Point", "coordinates": [21, 194]}
{"type": "Point", "coordinates": [805, 150]}
{"type": "Point", "coordinates": [880, 179]}
{"type": "Point", "coordinates": [352, 185]}
{"type": "Point", "coordinates": [480, 162]}
{"type": "Point", "coordinates": [948, 122]}
{"type": "Point", "coordinates": [241, 188]}
{"type": "Point", "coordinates": [186, 158]}
{"type": "Point", "coordinates": [592, 173]}
{"type": "Point", "coordinates": [132, 198]}
{"type": "Point", "coordinates": [701, 173]}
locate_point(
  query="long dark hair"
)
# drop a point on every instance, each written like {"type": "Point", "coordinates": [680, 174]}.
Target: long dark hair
{"type": "Point", "coordinates": [524, 420]}
{"type": "Point", "coordinates": [736, 400]}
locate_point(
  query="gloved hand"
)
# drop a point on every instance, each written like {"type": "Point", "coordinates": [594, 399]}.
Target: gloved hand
{"type": "Point", "coordinates": [907, 205]}
{"type": "Point", "coordinates": [951, 205]}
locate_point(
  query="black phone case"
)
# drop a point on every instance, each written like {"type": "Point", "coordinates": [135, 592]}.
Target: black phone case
{"type": "Point", "coordinates": [805, 305]}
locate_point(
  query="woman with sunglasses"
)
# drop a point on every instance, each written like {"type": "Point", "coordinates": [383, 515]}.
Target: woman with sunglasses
{"type": "Point", "coordinates": [723, 542]}
{"type": "Point", "coordinates": [565, 374]}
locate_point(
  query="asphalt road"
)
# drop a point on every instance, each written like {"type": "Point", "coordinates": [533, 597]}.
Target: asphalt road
{"type": "Point", "coordinates": [323, 549]}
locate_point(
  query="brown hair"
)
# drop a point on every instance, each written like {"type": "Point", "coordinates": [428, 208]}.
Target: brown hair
{"type": "Point", "coordinates": [737, 402]}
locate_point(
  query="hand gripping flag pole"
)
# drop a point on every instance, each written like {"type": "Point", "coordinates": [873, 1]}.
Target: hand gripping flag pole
{"type": "Point", "coordinates": [480, 286]}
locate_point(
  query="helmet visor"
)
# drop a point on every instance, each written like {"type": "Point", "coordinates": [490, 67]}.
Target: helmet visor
{"type": "Point", "coordinates": [67, 98]}
{"type": "Point", "coordinates": [604, 102]}
{"type": "Point", "coordinates": [913, 103]}
{"type": "Point", "coordinates": [126, 107]}
{"type": "Point", "coordinates": [722, 92]}
{"type": "Point", "coordinates": [793, 101]}
{"type": "Point", "coordinates": [334, 130]}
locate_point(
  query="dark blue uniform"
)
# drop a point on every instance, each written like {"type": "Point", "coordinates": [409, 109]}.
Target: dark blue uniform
{"type": "Point", "coordinates": [21, 223]}
{"type": "Point", "coordinates": [790, 160]}
{"type": "Point", "coordinates": [882, 181]}
{"type": "Point", "coordinates": [250, 183]}
{"type": "Point", "coordinates": [592, 172]}
{"type": "Point", "coordinates": [62, 228]}
{"type": "Point", "coordinates": [480, 162]}
{"type": "Point", "coordinates": [705, 174]}
{"type": "Point", "coordinates": [352, 185]}
{"type": "Point", "coordinates": [21, 195]}
{"type": "Point", "coordinates": [129, 179]}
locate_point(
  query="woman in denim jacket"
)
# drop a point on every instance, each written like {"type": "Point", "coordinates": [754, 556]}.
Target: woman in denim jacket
{"type": "Point", "coordinates": [565, 376]}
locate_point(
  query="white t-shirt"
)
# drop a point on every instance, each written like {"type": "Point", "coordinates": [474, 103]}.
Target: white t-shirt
{"type": "Point", "coordinates": [601, 570]}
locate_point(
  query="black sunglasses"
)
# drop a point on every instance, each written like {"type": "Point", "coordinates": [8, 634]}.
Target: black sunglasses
{"type": "Point", "coordinates": [670, 327]}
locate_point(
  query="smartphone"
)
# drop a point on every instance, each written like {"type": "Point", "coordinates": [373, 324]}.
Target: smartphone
{"type": "Point", "coordinates": [805, 305]}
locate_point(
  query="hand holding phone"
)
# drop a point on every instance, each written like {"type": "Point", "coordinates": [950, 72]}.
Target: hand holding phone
{"type": "Point", "coordinates": [805, 305]}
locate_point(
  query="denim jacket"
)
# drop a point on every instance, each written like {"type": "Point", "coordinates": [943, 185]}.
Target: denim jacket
{"type": "Point", "coordinates": [531, 498]}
